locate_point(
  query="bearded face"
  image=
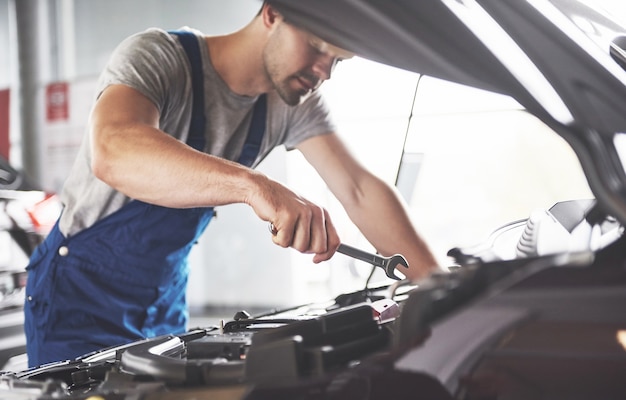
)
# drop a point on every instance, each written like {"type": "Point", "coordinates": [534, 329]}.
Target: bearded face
{"type": "Point", "coordinates": [297, 62]}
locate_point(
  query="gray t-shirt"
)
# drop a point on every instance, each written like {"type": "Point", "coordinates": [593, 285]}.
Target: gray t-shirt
{"type": "Point", "coordinates": [154, 63]}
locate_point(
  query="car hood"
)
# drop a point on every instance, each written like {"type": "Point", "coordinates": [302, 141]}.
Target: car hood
{"type": "Point", "coordinates": [541, 53]}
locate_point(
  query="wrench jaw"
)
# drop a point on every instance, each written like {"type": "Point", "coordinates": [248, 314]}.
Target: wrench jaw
{"type": "Point", "coordinates": [388, 264]}
{"type": "Point", "coordinates": [392, 263]}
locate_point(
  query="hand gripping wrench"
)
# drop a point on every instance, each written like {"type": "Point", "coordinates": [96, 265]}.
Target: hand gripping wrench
{"type": "Point", "coordinates": [388, 264]}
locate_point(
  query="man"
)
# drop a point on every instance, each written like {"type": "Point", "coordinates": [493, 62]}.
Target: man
{"type": "Point", "coordinates": [114, 268]}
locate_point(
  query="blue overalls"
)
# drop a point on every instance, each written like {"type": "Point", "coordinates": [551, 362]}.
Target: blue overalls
{"type": "Point", "coordinates": [124, 278]}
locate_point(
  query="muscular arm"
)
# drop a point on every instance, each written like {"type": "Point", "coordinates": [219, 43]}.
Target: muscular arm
{"type": "Point", "coordinates": [131, 154]}
{"type": "Point", "coordinates": [373, 205]}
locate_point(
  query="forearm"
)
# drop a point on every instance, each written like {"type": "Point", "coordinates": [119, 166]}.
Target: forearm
{"type": "Point", "coordinates": [158, 169]}
{"type": "Point", "coordinates": [374, 206]}
{"type": "Point", "coordinates": [382, 217]}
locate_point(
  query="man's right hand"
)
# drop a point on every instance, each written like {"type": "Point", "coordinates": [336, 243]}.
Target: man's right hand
{"type": "Point", "coordinates": [297, 222]}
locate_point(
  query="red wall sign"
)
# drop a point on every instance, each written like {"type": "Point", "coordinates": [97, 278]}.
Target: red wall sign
{"type": "Point", "coordinates": [57, 102]}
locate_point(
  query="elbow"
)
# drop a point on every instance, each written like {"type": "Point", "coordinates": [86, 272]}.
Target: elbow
{"type": "Point", "coordinates": [353, 195]}
{"type": "Point", "coordinates": [102, 160]}
{"type": "Point", "coordinates": [100, 168]}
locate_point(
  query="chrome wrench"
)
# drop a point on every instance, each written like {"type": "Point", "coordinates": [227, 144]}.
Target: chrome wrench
{"type": "Point", "coordinates": [388, 264]}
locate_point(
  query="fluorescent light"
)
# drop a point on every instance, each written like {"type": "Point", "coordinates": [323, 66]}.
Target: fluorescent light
{"type": "Point", "coordinates": [508, 52]}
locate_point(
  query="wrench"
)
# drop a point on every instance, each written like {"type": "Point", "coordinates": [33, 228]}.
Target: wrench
{"type": "Point", "coordinates": [388, 264]}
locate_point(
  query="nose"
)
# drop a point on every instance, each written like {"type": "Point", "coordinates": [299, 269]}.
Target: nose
{"type": "Point", "coordinates": [324, 66]}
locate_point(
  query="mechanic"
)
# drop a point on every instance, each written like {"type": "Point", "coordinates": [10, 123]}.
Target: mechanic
{"type": "Point", "coordinates": [154, 163]}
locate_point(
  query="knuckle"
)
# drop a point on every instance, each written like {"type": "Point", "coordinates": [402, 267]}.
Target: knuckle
{"type": "Point", "coordinates": [301, 248]}
{"type": "Point", "coordinates": [279, 242]}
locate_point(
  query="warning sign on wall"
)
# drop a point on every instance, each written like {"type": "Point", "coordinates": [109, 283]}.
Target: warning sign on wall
{"type": "Point", "coordinates": [64, 109]}
{"type": "Point", "coordinates": [57, 102]}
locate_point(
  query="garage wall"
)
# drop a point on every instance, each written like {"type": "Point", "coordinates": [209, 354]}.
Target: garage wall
{"type": "Point", "coordinates": [99, 25]}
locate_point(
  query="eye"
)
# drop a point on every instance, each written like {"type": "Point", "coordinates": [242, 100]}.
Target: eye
{"type": "Point", "coordinates": [317, 46]}
{"type": "Point", "coordinates": [336, 62]}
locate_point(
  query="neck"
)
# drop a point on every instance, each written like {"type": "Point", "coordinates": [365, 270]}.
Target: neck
{"type": "Point", "coordinates": [238, 60]}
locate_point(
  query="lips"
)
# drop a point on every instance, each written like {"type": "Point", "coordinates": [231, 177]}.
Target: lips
{"type": "Point", "coordinates": [305, 83]}
{"type": "Point", "coordinates": [308, 81]}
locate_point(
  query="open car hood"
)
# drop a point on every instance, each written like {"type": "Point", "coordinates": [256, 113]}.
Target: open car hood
{"type": "Point", "coordinates": [531, 50]}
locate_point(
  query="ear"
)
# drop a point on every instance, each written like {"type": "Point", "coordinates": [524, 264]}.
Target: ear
{"type": "Point", "coordinates": [270, 15]}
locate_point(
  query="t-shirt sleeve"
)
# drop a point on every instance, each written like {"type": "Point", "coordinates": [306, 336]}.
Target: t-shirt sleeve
{"type": "Point", "coordinates": [309, 119]}
{"type": "Point", "coordinates": [151, 63]}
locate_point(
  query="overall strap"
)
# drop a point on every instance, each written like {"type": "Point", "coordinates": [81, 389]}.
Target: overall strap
{"type": "Point", "coordinates": [189, 42]}
{"type": "Point", "coordinates": [196, 139]}
{"type": "Point", "coordinates": [252, 146]}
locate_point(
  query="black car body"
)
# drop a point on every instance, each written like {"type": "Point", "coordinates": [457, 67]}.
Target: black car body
{"type": "Point", "coordinates": [534, 326]}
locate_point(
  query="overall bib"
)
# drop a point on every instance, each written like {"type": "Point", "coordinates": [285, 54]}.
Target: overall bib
{"type": "Point", "coordinates": [125, 277]}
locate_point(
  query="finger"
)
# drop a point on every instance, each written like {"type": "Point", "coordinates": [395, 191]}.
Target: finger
{"type": "Point", "coordinates": [332, 241]}
{"type": "Point", "coordinates": [319, 234]}
{"type": "Point", "coordinates": [282, 233]}
{"type": "Point", "coordinates": [302, 233]}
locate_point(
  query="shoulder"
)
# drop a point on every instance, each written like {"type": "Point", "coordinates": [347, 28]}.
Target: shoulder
{"type": "Point", "coordinates": [153, 41]}
{"type": "Point", "coordinates": [148, 53]}
{"type": "Point", "coordinates": [152, 62]}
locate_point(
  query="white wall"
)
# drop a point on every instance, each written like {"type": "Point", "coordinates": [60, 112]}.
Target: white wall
{"type": "Point", "coordinates": [101, 24]}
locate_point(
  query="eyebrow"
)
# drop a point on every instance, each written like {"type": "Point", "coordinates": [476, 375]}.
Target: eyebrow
{"type": "Point", "coordinates": [325, 47]}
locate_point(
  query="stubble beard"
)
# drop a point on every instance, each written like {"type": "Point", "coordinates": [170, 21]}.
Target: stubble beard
{"type": "Point", "coordinates": [290, 96]}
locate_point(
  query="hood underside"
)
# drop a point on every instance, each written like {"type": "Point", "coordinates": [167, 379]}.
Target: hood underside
{"type": "Point", "coordinates": [531, 50]}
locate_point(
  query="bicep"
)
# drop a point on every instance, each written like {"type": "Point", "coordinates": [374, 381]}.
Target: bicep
{"type": "Point", "coordinates": [119, 119]}
{"type": "Point", "coordinates": [123, 105]}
